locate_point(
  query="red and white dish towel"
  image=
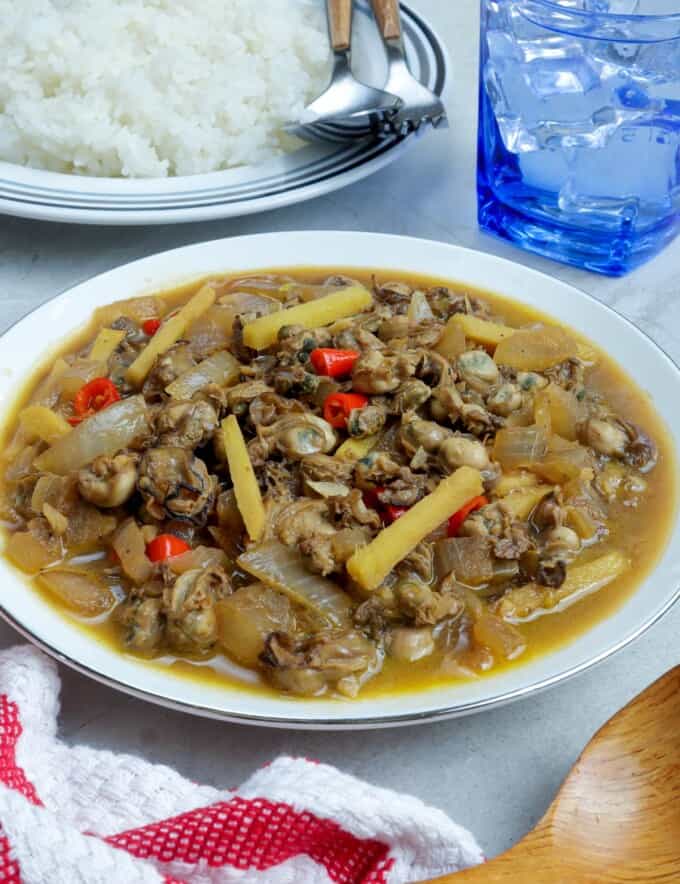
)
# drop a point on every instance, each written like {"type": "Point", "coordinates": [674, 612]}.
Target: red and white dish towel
{"type": "Point", "coordinates": [74, 815]}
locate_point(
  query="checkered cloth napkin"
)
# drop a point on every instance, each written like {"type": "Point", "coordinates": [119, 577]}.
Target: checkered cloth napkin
{"type": "Point", "coordinates": [75, 815]}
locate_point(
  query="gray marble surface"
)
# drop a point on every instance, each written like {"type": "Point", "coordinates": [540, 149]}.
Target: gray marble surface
{"type": "Point", "coordinates": [495, 772]}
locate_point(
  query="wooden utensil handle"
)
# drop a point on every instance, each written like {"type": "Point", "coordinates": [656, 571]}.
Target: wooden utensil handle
{"type": "Point", "coordinates": [340, 23]}
{"type": "Point", "coordinates": [387, 14]}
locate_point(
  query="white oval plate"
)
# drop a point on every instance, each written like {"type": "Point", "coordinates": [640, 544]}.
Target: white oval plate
{"type": "Point", "coordinates": [24, 345]}
{"type": "Point", "coordinates": [309, 172]}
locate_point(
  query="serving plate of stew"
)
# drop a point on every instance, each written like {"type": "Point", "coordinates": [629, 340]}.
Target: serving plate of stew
{"type": "Point", "coordinates": [334, 479]}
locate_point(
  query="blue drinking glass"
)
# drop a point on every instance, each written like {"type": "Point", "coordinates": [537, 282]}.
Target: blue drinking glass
{"type": "Point", "coordinates": [579, 128]}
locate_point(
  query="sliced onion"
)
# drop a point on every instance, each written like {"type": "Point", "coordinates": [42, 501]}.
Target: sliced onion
{"type": "Point", "coordinates": [410, 644]}
{"type": "Point", "coordinates": [248, 302]}
{"type": "Point", "coordinates": [419, 309]}
{"type": "Point", "coordinates": [304, 291]}
{"type": "Point", "coordinates": [469, 662]}
{"type": "Point", "coordinates": [468, 558]}
{"type": "Point", "coordinates": [47, 392]}
{"type": "Point", "coordinates": [214, 329]}
{"type": "Point", "coordinates": [566, 412]}
{"type": "Point", "coordinates": [87, 524]}
{"type": "Point", "coordinates": [271, 285]}
{"type": "Point", "coordinates": [107, 432]}
{"type": "Point", "coordinates": [20, 464]}
{"type": "Point", "coordinates": [57, 521]}
{"type": "Point", "coordinates": [285, 570]}
{"type": "Point", "coordinates": [247, 617]}
{"type": "Point", "coordinates": [211, 331]}
{"type": "Point", "coordinates": [77, 375]}
{"type": "Point", "coordinates": [504, 640]}
{"type": "Point", "coordinates": [221, 368]}
{"type": "Point", "coordinates": [523, 417]}
{"type": "Point", "coordinates": [563, 461]}
{"type": "Point", "coordinates": [138, 309]}
{"type": "Point", "coordinates": [582, 522]}
{"type": "Point", "coordinates": [31, 553]}
{"type": "Point", "coordinates": [535, 349]}
{"type": "Point", "coordinates": [520, 446]}
{"type": "Point", "coordinates": [130, 547]}
{"type": "Point", "coordinates": [81, 523]}
{"type": "Point", "coordinates": [78, 589]}
{"type": "Point", "coordinates": [348, 540]}
{"type": "Point", "coordinates": [45, 489]}
{"type": "Point", "coordinates": [201, 557]}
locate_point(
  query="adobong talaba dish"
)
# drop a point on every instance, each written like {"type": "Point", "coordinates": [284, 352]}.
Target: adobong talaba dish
{"type": "Point", "coordinates": [337, 482]}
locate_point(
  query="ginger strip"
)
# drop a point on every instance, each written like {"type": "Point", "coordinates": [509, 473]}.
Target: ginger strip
{"type": "Point", "coordinates": [372, 563]}
{"type": "Point", "coordinates": [263, 331]}
{"type": "Point", "coordinates": [169, 333]}
{"type": "Point", "coordinates": [105, 343]}
{"type": "Point", "coordinates": [246, 489]}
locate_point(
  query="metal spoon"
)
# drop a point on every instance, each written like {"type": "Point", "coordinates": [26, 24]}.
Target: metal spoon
{"type": "Point", "coordinates": [346, 99]}
{"type": "Point", "coordinates": [616, 819]}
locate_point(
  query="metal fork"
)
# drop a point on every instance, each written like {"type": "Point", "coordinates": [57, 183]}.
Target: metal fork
{"type": "Point", "coordinates": [420, 105]}
{"type": "Point", "coordinates": [346, 100]}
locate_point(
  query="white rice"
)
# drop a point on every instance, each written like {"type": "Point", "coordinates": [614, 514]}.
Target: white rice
{"type": "Point", "coordinates": [150, 88]}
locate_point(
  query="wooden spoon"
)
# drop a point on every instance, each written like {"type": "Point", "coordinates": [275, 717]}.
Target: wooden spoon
{"type": "Point", "coordinates": [616, 819]}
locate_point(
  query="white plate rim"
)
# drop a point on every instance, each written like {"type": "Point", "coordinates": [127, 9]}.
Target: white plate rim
{"type": "Point", "coordinates": [232, 255]}
{"type": "Point", "coordinates": [217, 211]}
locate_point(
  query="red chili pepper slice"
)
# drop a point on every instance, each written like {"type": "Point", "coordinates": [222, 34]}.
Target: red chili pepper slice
{"type": "Point", "coordinates": [459, 517]}
{"type": "Point", "coordinates": [338, 406]}
{"type": "Point", "coordinates": [166, 546]}
{"type": "Point", "coordinates": [392, 512]}
{"type": "Point", "coordinates": [371, 497]}
{"type": "Point", "coordinates": [151, 326]}
{"type": "Point", "coordinates": [95, 396]}
{"type": "Point", "coordinates": [333, 363]}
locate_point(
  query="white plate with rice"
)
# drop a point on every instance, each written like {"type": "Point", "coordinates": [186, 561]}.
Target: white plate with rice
{"type": "Point", "coordinates": [123, 112]}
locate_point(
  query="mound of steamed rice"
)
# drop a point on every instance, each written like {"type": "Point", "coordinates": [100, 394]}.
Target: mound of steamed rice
{"type": "Point", "coordinates": [150, 88]}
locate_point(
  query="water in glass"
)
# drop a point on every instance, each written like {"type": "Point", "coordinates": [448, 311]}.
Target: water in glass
{"type": "Point", "coordinates": [579, 143]}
